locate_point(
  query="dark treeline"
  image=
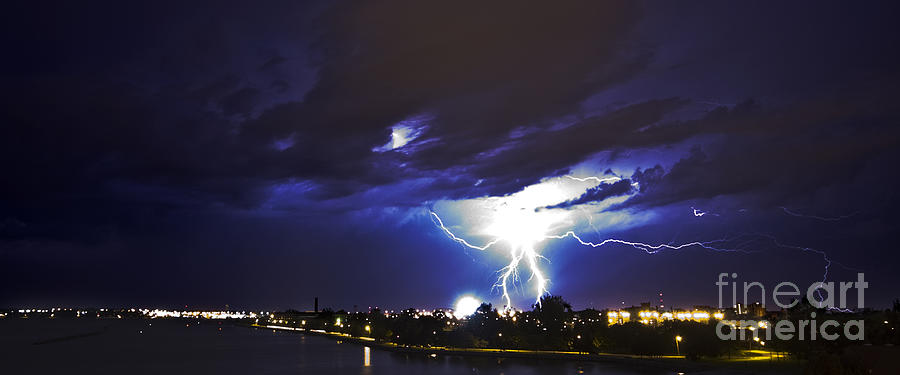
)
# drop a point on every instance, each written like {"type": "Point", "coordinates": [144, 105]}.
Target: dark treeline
{"type": "Point", "coordinates": [553, 325]}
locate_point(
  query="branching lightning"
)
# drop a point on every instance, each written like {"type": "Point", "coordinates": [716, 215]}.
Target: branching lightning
{"type": "Point", "coordinates": [522, 249]}
{"type": "Point", "coordinates": [701, 213]}
{"type": "Point", "coordinates": [523, 229]}
{"type": "Point", "coordinates": [519, 251]}
{"type": "Point", "coordinates": [828, 263]}
{"type": "Point", "coordinates": [652, 249]}
{"type": "Point", "coordinates": [460, 240]}
{"type": "Point", "coordinates": [595, 179]}
{"type": "Point", "coordinates": [820, 218]}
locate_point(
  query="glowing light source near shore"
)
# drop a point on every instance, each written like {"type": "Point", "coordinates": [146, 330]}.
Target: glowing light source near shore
{"type": "Point", "coordinates": [367, 356]}
{"type": "Point", "coordinates": [465, 306]}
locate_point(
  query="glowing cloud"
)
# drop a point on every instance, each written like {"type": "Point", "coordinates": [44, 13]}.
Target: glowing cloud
{"type": "Point", "coordinates": [403, 133]}
{"type": "Point", "coordinates": [520, 221]}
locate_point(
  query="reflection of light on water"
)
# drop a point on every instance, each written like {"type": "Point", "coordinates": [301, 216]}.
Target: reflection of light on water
{"type": "Point", "coordinates": [367, 353]}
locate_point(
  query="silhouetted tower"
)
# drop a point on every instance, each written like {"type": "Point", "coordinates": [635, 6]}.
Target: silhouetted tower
{"type": "Point", "coordinates": [316, 306]}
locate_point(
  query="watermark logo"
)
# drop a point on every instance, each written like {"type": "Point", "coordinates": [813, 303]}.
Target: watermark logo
{"type": "Point", "coordinates": [805, 329]}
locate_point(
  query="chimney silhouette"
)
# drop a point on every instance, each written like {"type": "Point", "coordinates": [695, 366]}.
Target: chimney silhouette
{"type": "Point", "coordinates": [317, 305]}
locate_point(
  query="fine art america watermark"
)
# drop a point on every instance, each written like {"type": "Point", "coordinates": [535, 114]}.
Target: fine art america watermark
{"type": "Point", "coordinates": [805, 329]}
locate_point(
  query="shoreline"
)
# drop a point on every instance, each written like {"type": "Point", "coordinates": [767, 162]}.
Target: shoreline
{"type": "Point", "coordinates": [669, 362]}
{"type": "Point", "coordinates": [749, 365]}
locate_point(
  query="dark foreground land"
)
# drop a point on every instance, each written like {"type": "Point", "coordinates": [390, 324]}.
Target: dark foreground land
{"type": "Point", "coordinates": [752, 362]}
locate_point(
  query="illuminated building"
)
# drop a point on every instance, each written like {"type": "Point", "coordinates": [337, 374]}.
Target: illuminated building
{"type": "Point", "coordinates": [650, 315]}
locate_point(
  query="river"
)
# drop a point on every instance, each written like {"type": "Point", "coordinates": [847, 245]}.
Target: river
{"type": "Point", "coordinates": [116, 346]}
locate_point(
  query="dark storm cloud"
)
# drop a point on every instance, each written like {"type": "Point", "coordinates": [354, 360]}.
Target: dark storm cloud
{"type": "Point", "coordinates": [240, 101]}
{"type": "Point", "coordinates": [122, 121]}
{"type": "Point", "coordinates": [599, 193]}
{"type": "Point", "coordinates": [781, 155]}
{"type": "Point", "coordinates": [151, 121]}
{"type": "Point", "coordinates": [540, 154]}
{"type": "Point", "coordinates": [191, 114]}
{"type": "Point", "coordinates": [474, 69]}
{"type": "Point", "coordinates": [110, 114]}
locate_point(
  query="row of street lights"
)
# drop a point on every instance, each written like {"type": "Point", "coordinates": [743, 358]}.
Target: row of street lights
{"type": "Point", "coordinates": [678, 340]}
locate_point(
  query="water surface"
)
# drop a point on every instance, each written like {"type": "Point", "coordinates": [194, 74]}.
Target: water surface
{"type": "Point", "coordinates": [114, 346]}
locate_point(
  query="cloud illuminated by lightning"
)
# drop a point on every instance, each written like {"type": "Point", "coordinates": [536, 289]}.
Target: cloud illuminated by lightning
{"type": "Point", "coordinates": [513, 223]}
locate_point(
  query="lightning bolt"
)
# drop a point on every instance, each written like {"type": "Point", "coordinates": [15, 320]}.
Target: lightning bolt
{"type": "Point", "coordinates": [828, 261]}
{"type": "Point", "coordinates": [509, 273]}
{"type": "Point", "coordinates": [526, 252]}
{"type": "Point", "coordinates": [596, 179]}
{"type": "Point", "coordinates": [828, 264]}
{"type": "Point", "coordinates": [523, 253]}
{"type": "Point", "coordinates": [460, 240]}
{"type": "Point", "coordinates": [821, 218]}
{"type": "Point", "coordinates": [652, 249]}
{"type": "Point", "coordinates": [701, 213]}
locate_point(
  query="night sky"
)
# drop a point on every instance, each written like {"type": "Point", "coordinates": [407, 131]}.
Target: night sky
{"type": "Point", "coordinates": [259, 154]}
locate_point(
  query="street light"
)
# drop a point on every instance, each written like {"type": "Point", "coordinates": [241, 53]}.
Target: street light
{"type": "Point", "coordinates": [677, 348]}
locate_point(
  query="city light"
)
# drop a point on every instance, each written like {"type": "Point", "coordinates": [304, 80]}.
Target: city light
{"type": "Point", "coordinates": [656, 317]}
{"type": "Point", "coordinates": [465, 306]}
{"type": "Point", "coordinates": [158, 313]}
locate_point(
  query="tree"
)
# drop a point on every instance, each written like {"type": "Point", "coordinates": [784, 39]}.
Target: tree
{"type": "Point", "coordinates": [553, 314]}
